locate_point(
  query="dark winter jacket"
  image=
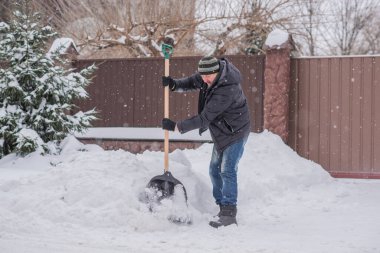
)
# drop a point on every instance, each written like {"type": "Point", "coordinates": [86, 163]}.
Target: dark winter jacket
{"type": "Point", "coordinates": [222, 108]}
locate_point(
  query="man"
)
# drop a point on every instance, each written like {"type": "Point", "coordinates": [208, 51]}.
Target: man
{"type": "Point", "coordinates": [223, 109]}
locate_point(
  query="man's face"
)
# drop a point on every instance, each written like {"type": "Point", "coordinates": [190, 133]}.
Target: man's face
{"type": "Point", "coordinates": [209, 78]}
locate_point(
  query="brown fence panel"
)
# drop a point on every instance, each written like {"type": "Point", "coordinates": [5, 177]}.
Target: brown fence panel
{"type": "Point", "coordinates": [335, 113]}
{"type": "Point", "coordinates": [376, 116]}
{"type": "Point", "coordinates": [128, 92]}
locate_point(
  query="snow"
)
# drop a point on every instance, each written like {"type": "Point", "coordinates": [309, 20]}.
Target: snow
{"type": "Point", "coordinates": [116, 27]}
{"type": "Point", "coordinates": [61, 45]}
{"type": "Point", "coordinates": [276, 38]}
{"type": "Point", "coordinates": [29, 137]}
{"type": "Point", "coordinates": [4, 26]}
{"type": "Point", "coordinates": [142, 133]}
{"type": "Point", "coordinates": [138, 38]}
{"type": "Point", "coordinates": [156, 46]}
{"type": "Point", "coordinates": [13, 83]}
{"type": "Point", "coordinates": [87, 200]}
{"type": "Point", "coordinates": [122, 39]}
{"type": "Point", "coordinates": [143, 50]}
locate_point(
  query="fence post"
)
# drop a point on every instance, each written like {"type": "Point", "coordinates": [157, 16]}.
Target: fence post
{"type": "Point", "coordinates": [278, 48]}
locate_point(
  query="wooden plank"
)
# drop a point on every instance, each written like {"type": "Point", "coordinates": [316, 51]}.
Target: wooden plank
{"type": "Point", "coordinates": [116, 99]}
{"type": "Point", "coordinates": [248, 80]}
{"type": "Point", "coordinates": [325, 113]}
{"type": "Point", "coordinates": [191, 99]}
{"type": "Point", "coordinates": [106, 97]}
{"type": "Point", "coordinates": [183, 105]}
{"type": "Point", "coordinates": [367, 125]}
{"type": "Point", "coordinates": [128, 90]}
{"type": "Point", "coordinates": [156, 91]}
{"type": "Point", "coordinates": [303, 109]}
{"type": "Point", "coordinates": [139, 95]}
{"type": "Point", "coordinates": [109, 98]}
{"type": "Point", "coordinates": [146, 99]}
{"type": "Point", "coordinates": [356, 117]}
{"type": "Point", "coordinates": [293, 104]}
{"type": "Point", "coordinates": [258, 98]}
{"type": "Point", "coordinates": [335, 140]}
{"type": "Point", "coordinates": [346, 114]}
{"type": "Point", "coordinates": [251, 69]}
{"type": "Point", "coordinates": [314, 110]}
{"type": "Point", "coordinates": [376, 115]}
{"type": "Point", "coordinates": [160, 90]}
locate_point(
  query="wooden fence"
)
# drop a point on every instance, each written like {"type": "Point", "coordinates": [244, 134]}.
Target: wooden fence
{"type": "Point", "coordinates": [129, 93]}
{"type": "Point", "coordinates": [335, 113]}
{"type": "Point", "coordinates": [334, 105]}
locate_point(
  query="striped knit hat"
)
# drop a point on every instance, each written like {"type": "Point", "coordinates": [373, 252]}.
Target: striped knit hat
{"type": "Point", "coordinates": [208, 65]}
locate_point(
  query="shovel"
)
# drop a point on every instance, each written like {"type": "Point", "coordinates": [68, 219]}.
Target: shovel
{"type": "Point", "coordinates": [166, 185]}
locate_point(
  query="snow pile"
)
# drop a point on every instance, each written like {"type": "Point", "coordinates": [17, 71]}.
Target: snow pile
{"type": "Point", "coordinates": [276, 38]}
{"type": "Point", "coordinates": [88, 200]}
{"type": "Point", "coordinates": [61, 45]}
{"type": "Point", "coordinates": [142, 133]}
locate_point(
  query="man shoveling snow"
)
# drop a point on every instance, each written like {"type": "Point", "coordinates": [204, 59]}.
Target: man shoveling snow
{"type": "Point", "coordinates": [223, 109]}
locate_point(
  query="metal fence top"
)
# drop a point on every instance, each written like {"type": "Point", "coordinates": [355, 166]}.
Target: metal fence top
{"type": "Point", "coordinates": [336, 56]}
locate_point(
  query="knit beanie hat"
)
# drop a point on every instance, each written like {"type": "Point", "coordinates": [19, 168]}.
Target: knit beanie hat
{"type": "Point", "coordinates": [208, 65]}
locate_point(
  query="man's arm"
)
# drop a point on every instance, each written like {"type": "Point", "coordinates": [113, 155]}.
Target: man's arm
{"type": "Point", "coordinates": [220, 101]}
{"type": "Point", "coordinates": [189, 83]}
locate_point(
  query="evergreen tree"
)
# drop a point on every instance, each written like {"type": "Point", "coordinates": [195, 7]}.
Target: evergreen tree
{"type": "Point", "coordinates": [36, 90]}
{"type": "Point", "coordinates": [255, 42]}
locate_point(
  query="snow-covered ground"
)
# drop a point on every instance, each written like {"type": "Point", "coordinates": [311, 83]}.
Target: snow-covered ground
{"type": "Point", "coordinates": [87, 200]}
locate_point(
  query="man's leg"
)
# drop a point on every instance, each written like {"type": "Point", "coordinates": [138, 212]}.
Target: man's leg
{"type": "Point", "coordinates": [229, 168]}
{"type": "Point", "coordinates": [230, 159]}
{"type": "Point", "coordinates": [216, 179]}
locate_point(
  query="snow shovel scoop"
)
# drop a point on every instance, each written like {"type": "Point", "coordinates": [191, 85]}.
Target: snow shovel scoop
{"type": "Point", "coordinates": [166, 187]}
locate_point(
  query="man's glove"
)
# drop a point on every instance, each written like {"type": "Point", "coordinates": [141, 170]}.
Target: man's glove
{"type": "Point", "coordinates": [168, 124]}
{"type": "Point", "coordinates": [168, 81]}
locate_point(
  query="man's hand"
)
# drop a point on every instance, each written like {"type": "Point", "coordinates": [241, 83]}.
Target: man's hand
{"type": "Point", "coordinates": [168, 124]}
{"type": "Point", "coordinates": [168, 81]}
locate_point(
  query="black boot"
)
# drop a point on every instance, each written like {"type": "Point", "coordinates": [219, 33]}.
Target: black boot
{"type": "Point", "coordinates": [220, 210]}
{"type": "Point", "coordinates": [227, 217]}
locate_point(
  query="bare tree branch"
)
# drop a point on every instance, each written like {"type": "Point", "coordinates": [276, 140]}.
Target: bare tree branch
{"type": "Point", "coordinates": [346, 35]}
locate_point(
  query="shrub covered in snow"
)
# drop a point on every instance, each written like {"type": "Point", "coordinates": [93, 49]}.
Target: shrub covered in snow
{"type": "Point", "coordinates": [29, 141]}
{"type": "Point", "coordinates": [36, 90]}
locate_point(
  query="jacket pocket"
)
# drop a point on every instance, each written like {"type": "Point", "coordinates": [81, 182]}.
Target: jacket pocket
{"type": "Point", "coordinates": [228, 125]}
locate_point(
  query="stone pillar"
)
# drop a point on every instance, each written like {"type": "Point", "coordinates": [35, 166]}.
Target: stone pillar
{"type": "Point", "coordinates": [278, 48]}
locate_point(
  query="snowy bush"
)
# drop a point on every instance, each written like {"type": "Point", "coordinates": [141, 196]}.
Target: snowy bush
{"type": "Point", "coordinates": [29, 141]}
{"type": "Point", "coordinates": [37, 91]}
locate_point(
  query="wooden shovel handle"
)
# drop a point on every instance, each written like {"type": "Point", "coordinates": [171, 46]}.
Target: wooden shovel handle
{"type": "Point", "coordinates": [166, 115]}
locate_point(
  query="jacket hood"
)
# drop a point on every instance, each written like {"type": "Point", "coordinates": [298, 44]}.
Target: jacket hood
{"type": "Point", "coordinates": [229, 74]}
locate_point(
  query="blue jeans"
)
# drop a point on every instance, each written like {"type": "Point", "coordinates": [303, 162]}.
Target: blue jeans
{"type": "Point", "coordinates": [223, 173]}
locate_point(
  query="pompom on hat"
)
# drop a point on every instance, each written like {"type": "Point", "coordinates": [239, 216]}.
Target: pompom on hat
{"type": "Point", "coordinates": [208, 65]}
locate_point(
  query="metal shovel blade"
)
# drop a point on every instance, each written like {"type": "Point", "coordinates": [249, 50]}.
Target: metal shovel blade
{"type": "Point", "coordinates": [165, 183]}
